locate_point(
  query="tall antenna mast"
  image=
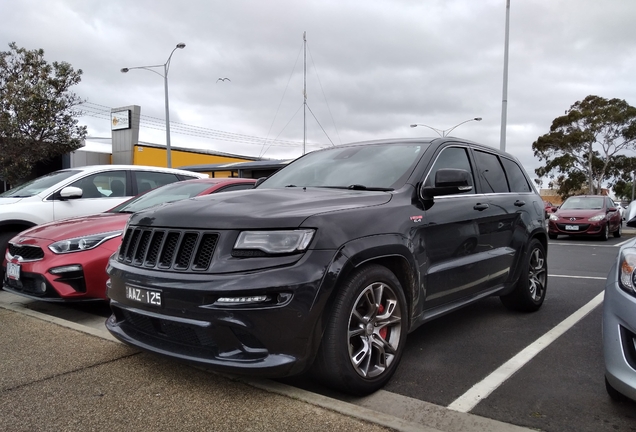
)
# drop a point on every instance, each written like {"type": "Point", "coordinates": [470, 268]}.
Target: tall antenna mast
{"type": "Point", "coordinates": [304, 90]}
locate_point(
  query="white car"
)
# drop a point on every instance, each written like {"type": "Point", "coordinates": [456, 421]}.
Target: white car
{"type": "Point", "coordinates": [78, 192]}
{"type": "Point", "coordinates": [620, 209]}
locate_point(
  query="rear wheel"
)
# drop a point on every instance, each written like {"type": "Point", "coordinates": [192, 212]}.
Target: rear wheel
{"type": "Point", "coordinates": [530, 290]}
{"type": "Point", "coordinates": [365, 336]}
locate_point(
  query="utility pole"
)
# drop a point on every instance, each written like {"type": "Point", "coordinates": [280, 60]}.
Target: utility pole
{"type": "Point", "coordinates": [504, 99]}
{"type": "Point", "coordinates": [304, 91]}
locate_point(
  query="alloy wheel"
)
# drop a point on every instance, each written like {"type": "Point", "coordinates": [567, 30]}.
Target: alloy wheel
{"type": "Point", "coordinates": [537, 274]}
{"type": "Point", "coordinates": [374, 330]}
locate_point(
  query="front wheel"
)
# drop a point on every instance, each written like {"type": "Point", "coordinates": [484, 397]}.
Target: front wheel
{"type": "Point", "coordinates": [605, 233]}
{"type": "Point", "coordinates": [529, 293]}
{"type": "Point", "coordinates": [366, 333]}
{"type": "Point", "coordinates": [619, 231]}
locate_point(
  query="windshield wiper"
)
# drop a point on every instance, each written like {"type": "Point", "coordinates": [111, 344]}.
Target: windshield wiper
{"type": "Point", "coordinates": [359, 187]}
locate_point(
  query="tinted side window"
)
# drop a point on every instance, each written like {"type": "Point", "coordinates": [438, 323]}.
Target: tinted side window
{"type": "Point", "coordinates": [147, 180]}
{"type": "Point", "coordinates": [516, 179]}
{"type": "Point", "coordinates": [451, 157]}
{"type": "Point", "coordinates": [490, 172]}
{"type": "Point", "coordinates": [236, 187]}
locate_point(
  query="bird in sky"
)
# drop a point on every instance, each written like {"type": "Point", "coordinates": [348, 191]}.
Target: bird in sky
{"type": "Point", "coordinates": [223, 79]}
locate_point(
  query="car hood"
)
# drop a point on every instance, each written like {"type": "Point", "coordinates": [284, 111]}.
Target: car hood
{"type": "Point", "coordinates": [257, 208]}
{"type": "Point", "coordinates": [578, 213]}
{"type": "Point", "coordinates": [9, 200]}
{"type": "Point", "coordinates": [78, 227]}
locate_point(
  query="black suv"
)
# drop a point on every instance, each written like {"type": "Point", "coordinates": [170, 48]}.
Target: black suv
{"type": "Point", "coordinates": [330, 262]}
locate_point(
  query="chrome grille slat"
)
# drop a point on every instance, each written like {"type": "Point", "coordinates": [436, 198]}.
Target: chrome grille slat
{"type": "Point", "coordinates": [168, 249]}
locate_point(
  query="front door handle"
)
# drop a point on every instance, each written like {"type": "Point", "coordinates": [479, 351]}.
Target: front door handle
{"type": "Point", "coordinates": [480, 207]}
{"type": "Point", "coordinates": [520, 203]}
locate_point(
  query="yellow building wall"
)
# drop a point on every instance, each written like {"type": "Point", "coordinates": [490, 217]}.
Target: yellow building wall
{"type": "Point", "coordinates": [152, 156]}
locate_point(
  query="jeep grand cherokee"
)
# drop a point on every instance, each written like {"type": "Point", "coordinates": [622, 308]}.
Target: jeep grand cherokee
{"type": "Point", "coordinates": [330, 262]}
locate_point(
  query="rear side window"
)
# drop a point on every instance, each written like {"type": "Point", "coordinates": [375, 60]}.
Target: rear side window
{"type": "Point", "coordinates": [147, 180]}
{"type": "Point", "coordinates": [516, 180]}
{"type": "Point", "coordinates": [451, 157]}
{"type": "Point", "coordinates": [491, 173]}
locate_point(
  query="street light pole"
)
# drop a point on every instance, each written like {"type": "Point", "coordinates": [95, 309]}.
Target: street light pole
{"type": "Point", "coordinates": [504, 98]}
{"type": "Point", "coordinates": [445, 132]}
{"type": "Point", "coordinates": [166, 68]}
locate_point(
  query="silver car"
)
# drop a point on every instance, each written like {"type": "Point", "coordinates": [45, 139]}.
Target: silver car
{"type": "Point", "coordinates": [619, 320]}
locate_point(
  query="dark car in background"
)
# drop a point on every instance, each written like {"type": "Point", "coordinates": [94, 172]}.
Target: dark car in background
{"type": "Point", "coordinates": [330, 262]}
{"type": "Point", "coordinates": [65, 261]}
{"type": "Point", "coordinates": [586, 215]}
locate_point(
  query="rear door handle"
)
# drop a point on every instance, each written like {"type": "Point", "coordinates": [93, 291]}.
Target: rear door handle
{"type": "Point", "coordinates": [480, 207]}
{"type": "Point", "coordinates": [520, 203]}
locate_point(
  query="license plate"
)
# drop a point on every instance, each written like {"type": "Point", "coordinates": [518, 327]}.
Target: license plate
{"type": "Point", "coordinates": [144, 296]}
{"type": "Point", "coordinates": [13, 271]}
{"type": "Point", "coordinates": [572, 227]}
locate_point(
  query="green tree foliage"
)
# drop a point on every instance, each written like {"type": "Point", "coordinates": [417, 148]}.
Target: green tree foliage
{"type": "Point", "coordinates": [37, 115]}
{"type": "Point", "coordinates": [582, 147]}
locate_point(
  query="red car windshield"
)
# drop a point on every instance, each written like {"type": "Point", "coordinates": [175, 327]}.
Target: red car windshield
{"type": "Point", "coordinates": [583, 203]}
{"type": "Point", "coordinates": [165, 194]}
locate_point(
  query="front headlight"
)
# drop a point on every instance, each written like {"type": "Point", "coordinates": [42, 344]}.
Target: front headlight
{"type": "Point", "coordinates": [275, 242]}
{"type": "Point", "coordinates": [627, 270]}
{"type": "Point", "coordinates": [597, 218]}
{"type": "Point", "coordinates": [79, 244]}
{"type": "Point", "coordinates": [554, 217]}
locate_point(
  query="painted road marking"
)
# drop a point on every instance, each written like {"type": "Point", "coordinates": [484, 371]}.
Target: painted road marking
{"type": "Point", "coordinates": [577, 277]}
{"type": "Point", "coordinates": [481, 390]}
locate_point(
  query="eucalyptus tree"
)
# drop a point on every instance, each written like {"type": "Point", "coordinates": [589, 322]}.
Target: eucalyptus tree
{"type": "Point", "coordinates": [38, 112]}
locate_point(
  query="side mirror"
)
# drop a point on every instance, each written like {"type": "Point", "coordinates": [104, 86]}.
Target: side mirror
{"type": "Point", "coordinates": [71, 192]}
{"type": "Point", "coordinates": [448, 181]}
{"type": "Point", "coordinates": [611, 209]}
{"type": "Point", "coordinates": [259, 181]}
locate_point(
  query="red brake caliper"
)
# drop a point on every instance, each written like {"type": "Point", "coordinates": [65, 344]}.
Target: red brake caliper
{"type": "Point", "coordinates": [383, 330]}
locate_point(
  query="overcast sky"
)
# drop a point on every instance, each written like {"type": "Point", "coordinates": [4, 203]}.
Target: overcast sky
{"type": "Point", "coordinates": [373, 66]}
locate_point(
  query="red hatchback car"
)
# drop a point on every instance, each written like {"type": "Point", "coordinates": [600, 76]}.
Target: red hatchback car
{"type": "Point", "coordinates": [586, 215]}
{"type": "Point", "coordinates": [66, 260]}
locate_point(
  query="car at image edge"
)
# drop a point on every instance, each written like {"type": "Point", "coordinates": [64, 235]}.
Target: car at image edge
{"type": "Point", "coordinates": [327, 265]}
{"type": "Point", "coordinates": [65, 260]}
{"type": "Point", "coordinates": [619, 320]}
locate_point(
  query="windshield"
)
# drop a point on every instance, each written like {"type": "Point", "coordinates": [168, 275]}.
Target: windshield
{"type": "Point", "coordinates": [372, 166]}
{"type": "Point", "coordinates": [169, 193]}
{"type": "Point", "coordinates": [583, 203]}
{"type": "Point", "coordinates": [35, 186]}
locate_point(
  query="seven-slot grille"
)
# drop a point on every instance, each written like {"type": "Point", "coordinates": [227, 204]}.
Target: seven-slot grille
{"type": "Point", "coordinates": [28, 253]}
{"type": "Point", "coordinates": [168, 249]}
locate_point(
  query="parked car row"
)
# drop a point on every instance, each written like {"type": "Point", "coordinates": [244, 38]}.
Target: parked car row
{"type": "Point", "coordinates": [323, 267]}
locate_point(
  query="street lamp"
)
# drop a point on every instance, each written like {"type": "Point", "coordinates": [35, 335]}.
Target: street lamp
{"type": "Point", "coordinates": [166, 67]}
{"type": "Point", "coordinates": [445, 132]}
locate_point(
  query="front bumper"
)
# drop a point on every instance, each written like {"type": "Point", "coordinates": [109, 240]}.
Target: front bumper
{"type": "Point", "coordinates": [274, 338]}
{"type": "Point", "coordinates": [85, 285]}
{"type": "Point", "coordinates": [583, 228]}
{"type": "Point", "coordinates": [619, 337]}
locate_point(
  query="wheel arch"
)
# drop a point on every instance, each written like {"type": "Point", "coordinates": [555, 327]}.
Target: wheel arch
{"type": "Point", "coordinates": [389, 251]}
{"type": "Point", "coordinates": [16, 225]}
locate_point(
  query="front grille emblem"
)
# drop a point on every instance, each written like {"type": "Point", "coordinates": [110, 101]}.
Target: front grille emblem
{"type": "Point", "coordinates": [572, 219]}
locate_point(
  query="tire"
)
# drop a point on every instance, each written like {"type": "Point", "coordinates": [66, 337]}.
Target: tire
{"type": "Point", "coordinates": [529, 293]}
{"type": "Point", "coordinates": [613, 393]}
{"type": "Point", "coordinates": [619, 231]}
{"type": "Point", "coordinates": [553, 236]}
{"type": "Point", "coordinates": [605, 233]}
{"type": "Point", "coordinates": [365, 336]}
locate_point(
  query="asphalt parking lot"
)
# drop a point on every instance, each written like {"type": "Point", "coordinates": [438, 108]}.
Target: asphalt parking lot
{"type": "Point", "coordinates": [542, 371]}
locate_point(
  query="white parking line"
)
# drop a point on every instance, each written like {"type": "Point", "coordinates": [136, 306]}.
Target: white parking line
{"type": "Point", "coordinates": [586, 244]}
{"type": "Point", "coordinates": [481, 390]}
{"type": "Point", "coordinates": [623, 242]}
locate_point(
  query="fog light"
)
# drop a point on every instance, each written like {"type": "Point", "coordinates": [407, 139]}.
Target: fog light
{"type": "Point", "coordinates": [41, 287]}
{"type": "Point", "coordinates": [243, 300]}
{"type": "Point", "coordinates": [66, 269]}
